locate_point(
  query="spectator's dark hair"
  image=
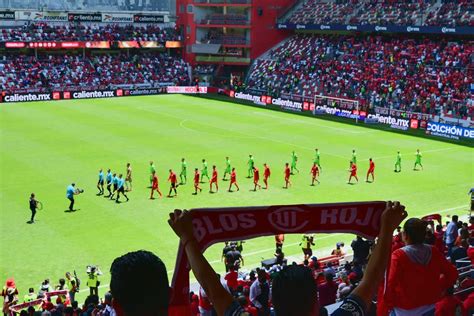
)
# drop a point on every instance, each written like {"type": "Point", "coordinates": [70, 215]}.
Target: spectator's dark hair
{"type": "Point", "coordinates": [454, 218]}
{"type": "Point", "coordinates": [139, 283]}
{"type": "Point", "coordinates": [439, 227]}
{"type": "Point", "coordinates": [323, 311]}
{"type": "Point", "coordinates": [74, 304]}
{"type": "Point", "coordinates": [92, 300]}
{"type": "Point", "coordinates": [294, 291]}
{"type": "Point", "coordinates": [415, 230]}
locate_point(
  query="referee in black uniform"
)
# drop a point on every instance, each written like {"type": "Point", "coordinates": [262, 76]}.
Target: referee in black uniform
{"type": "Point", "coordinates": [33, 207]}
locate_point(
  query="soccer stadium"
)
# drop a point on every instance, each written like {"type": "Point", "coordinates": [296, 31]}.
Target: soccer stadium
{"type": "Point", "coordinates": [237, 157]}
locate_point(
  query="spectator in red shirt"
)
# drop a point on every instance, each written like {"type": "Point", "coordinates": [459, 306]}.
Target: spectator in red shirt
{"type": "Point", "coordinates": [327, 291]}
{"type": "Point", "coordinates": [418, 274]}
{"type": "Point", "coordinates": [468, 305]}
{"type": "Point", "coordinates": [231, 278]}
{"type": "Point", "coordinates": [449, 305]}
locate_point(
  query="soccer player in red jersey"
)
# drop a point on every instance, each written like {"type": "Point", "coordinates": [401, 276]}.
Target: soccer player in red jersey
{"type": "Point", "coordinates": [196, 181]}
{"type": "Point", "coordinates": [213, 180]}
{"type": "Point", "coordinates": [314, 173]}
{"type": "Point", "coordinates": [154, 185]}
{"type": "Point", "coordinates": [370, 171]}
{"type": "Point", "coordinates": [353, 172]}
{"type": "Point", "coordinates": [266, 175]}
{"type": "Point", "coordinates": [287, 175]}
{"type": "Point", "coordinates": [233, 180]}
{"type": "Point", "coordinates": [174, 183]}
{"type": "Point", "coordinates": [256, 178]}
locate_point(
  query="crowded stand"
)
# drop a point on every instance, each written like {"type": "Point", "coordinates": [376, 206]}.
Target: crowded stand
{"type": "Point", "coordinates": [67, 72]}
{"type": "Point", "coordinates": [316, 12]}
{"type": "Point", "coordinates": [427, 12]}
{"type": "Point", "coordinates": [453, 14]}
{"type": "Point", "coordinates": [42, 31]}
{"type": "Point", "coordinates": [423, 276]}
{"type": "Point", "coordinates": [416, 74]}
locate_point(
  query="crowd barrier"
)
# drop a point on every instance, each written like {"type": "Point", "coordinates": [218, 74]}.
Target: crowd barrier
{"type": "Point", "coordinates": [396, 119]}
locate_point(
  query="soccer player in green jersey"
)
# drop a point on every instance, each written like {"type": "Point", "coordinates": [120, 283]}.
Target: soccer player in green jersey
{"type": "Point", "coordinates": [418, 160]}
{"type": "Point", "coordinates": [204, 172]}
{"type": "Point", "coordinates": [317, 159]}
{"type": "Point", "coordinates": [152, 170]}
{"type": "Point", "coordinates": [294, 159]}
{"type": "Point", "coordinates": [398, 163]}
{"type": "Point", "coordinates": [182, 174]}
{"type": "Point", "coordinates": [251, 164]}
{"type": "Point", "coordinates": [228, 169]}
{"type": "Point", "coordinates": [354, 157]}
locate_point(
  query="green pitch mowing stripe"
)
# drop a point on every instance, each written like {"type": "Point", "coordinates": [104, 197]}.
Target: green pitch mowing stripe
{"type": "Point", "coordinates": [47, 145]}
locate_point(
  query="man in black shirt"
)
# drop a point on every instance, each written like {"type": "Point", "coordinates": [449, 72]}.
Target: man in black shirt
{"type": "Point", "coordinates": [225, 251]}
{"type": "Point", "coordinates": [361, 250]}
{"type": "Point", "coordinates": [33, 207]}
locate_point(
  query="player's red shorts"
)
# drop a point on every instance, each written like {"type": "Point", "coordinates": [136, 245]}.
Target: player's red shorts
{"type": "Point", "coordinates": [370, 171]}
{"type": "Point", "coordinates": [353, 174]}
{"type": "Point", "coordinates": [213, 180]}
{"type": "Point", "coordinates": [154, 186]}
{"type": "Point", "coordinates": [287, 178]}
{"type": "Point", "coordinates": [255, 180]}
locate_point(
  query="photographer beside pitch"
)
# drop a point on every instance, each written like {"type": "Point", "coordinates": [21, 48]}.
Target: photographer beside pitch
{"type": "Point", "coordinates": [70, 192]}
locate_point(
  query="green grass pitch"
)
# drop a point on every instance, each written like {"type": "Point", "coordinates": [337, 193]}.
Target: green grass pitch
{"type": "Point", "coordinates": [46, 146]}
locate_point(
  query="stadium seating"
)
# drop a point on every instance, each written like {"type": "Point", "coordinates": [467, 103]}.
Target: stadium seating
{"type": "Point", "coordinates": [75, 71]}
{"type": "Point", "coordinates": [420, 75]}
{"type": "Point", "coordinates": [384, 12]}
{"type": "Point", "coordinates": [87, 32]}
{"type": "Point", "coordinates": [347, 275]}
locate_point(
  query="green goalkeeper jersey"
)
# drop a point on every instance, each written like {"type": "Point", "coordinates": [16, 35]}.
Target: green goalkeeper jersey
{"type": "Point", "coordinates": [317, 158]}
{"type": "Point", "coordinates": [418, 157]}
{"type": "Point", "coordinates": [294, 158]}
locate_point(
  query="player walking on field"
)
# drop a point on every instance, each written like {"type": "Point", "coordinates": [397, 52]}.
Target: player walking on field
{"type": "Point", "coordinates": [154, 186]}
{"type": "Point", "coordinates": [418, 160]}
{"type": "Point", "coordinates": [128, 178]}
{"type": "Point", "coordinates": [33, 207]}
{"type": "Point", "coordinates": [100, 183]}
{"type": "Point", "coordinates": [294, 159]}
{"type": "Point", "coordinates": [317, 158]}
{"type": "Point", "coordinates": [152, 169]}
{"type": "Point", "coordinates": [256, 178]}
{"type": "Point", "coordinates": [287, 173]}
{"type": "Point", "coordinates": [183, 173]}
{"type": "Point", "coordinates": [353, 171]}
{"type": "Point", "coordinates": [173, 179]}
{"type": "Point", "coordinates": [266, 175]}
{"type": "Point", "coordinates": [213, 180]}
{"type": "Point", "coordinates": [250, 164]}
{"type": "Point", "coordinates": [354, 157]}
{"type": "Point", "coordinates": [228, 168]}
{"type": "Point", "coordinates": [196, 181]}
{"type": "Point", "coordinates": [370, 171]}
{"type": "Point", "coordinates": [121, 188]}
{"type": "Point", "coordinates": [233, 180]}
{"type": "Point", "coordinates": [314, 173]}
{"type": "Point", "coordinates": [108, 179]}
{"type": "Point", "coordinates": [204, 172]}
{"type": "Point", "coordinates": [398, 163]}
{"type": "Point", "coordinates": [115, 181]}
